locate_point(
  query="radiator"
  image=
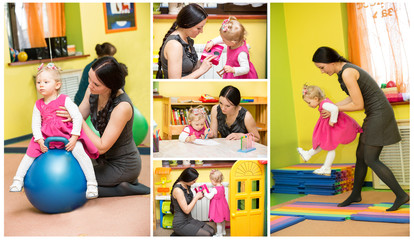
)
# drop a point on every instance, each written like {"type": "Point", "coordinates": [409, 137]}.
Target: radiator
{"type": "Point", "coordinates": [70, 82]}
{"type": "Point", "coordinates": [200, 210]}
{"type": "Point", "coordinates": [397, 158]}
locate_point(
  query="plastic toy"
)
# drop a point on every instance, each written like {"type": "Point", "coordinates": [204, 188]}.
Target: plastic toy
{"type": "Point", "coordinates": [22, 56]}
{"type": "Point", "coordinates": [139, 127]}
{"type": "Point", "coordinates": [201, 188]}
{"type": "Point", "coordinates": [163, 171]}
{"type": "Point", "coordinates": [247, 144]}
{"type": "Point", "coordinates": [215, 50]}
{"type": "Point", "coordinates": [89, 123]}
{"type": "Point", "coordinates": [167, 218]}
{"type": "Point", "coordinates": [205, 98]}
{"type": "Point", "coordinates": [55, 182]}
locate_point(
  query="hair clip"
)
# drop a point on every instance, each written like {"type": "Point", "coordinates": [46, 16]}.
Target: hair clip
{"type": "Point", "coordinates": [224, 25]}
{"type": "Point", "coordinates": [197, 111]}
{"type": "Point", "coordinates": [49, 66]}
{"type": "Point", "coordinates": [304, 91]}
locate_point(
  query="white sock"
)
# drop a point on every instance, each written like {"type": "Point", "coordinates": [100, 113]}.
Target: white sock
{"type": "Point", "coordinates": [219, 229]}
{"type": "Point", "coordinates": [330, 157]}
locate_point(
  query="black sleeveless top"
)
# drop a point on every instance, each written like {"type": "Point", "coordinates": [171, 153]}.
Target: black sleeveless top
{"type": "Point", "coordinates": [238, 125]}
{"type": "Point", "coordinates": [380, 127]}
{"type": "Point", "coordinates": [190, 57]}
{"type": "Point", "coordinates": [181, 218]}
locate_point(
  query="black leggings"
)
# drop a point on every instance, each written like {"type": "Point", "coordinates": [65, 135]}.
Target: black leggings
{"type": "Point", "coordinates": [206, 230]}
{"type": "Point", "coordinates": [368, 156]}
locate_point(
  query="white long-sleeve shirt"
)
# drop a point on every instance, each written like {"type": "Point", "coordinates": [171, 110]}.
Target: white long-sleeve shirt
{"type": "Point", "coordinates": [184, 134]}
{"type": "Point", "coordinates": [333, 109]}
{"type": "Point", "coordinates": [73, 112]}
{"type": "Point", "coordinates": [242, 58]}
{"type": "Point", "coordinates": [211, 193]}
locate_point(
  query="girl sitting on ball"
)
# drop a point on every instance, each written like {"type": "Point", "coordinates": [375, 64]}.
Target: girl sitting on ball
{"type": "Point", "coordinates": [45, 123]}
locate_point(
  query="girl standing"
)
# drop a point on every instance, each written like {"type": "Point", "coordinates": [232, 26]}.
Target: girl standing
{"type": "Point", "coordinates": [219, 211]}
{"type": "Point", "coordinates": [238, 64]}
{"type": "Point", "coordinates": [328, 132]}
{"type": "Point", "coordinates": [196, 129]}
{"type": "Point", "coordinates": [46, 124]}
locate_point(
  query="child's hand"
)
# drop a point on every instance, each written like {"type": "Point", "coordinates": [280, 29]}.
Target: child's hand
{"type": "Point", "coordinates": [42, 145]}
{"type": "Point", "coordinates": [191, 138]}
{"type": "Point", "coordinates": [331, 123]}
{"type": "Point", "coordinates": [228, 69]}
{"type": "Point", "coordinates": [199, 195]}
{"type": "Point", "coordinates": [72, 142]}
{"type": "Point", "coordinates": [209, 45]}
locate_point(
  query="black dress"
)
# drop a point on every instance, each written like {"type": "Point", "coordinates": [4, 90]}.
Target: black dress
{"type": "Point", "coordinates": [238, 125]}
{"type": "Point", "coordinates": [380, 127]}
{"type": "Point", "coordinates": [184, 224]}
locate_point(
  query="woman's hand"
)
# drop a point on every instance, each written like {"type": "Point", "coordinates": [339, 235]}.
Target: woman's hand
{"type": "Point", "coordinates": [325, 114]}
{"type": "Point", "coordinates": [228, 69]}
{"type": "Point", "coordinates": [209, 45]}
{"type": "Point", "coordinates": [42, 145]}
{"type": "Point", "coordinates": [72, 142]}
{"type": "Point", "coordinates": [234, 136]}
{"type": "Point", "coordinates": [64, 113]}
{"type": "Point", "coordinates": [206, 64]}
{"type": "Point", "coordinates": [199, 195]}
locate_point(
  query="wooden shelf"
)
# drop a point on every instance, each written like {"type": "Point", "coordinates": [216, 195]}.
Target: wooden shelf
{"type": "Point", "coordinates": [224, 164]}
{"type": "Point", "coordinates": [169, 130]}
{"type": "Point", "coordinates": [47, 60]}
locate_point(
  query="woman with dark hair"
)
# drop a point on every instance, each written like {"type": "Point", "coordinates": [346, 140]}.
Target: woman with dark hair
{"type": "Point", "coordinates": [102, 50]}
{"type": "Point", "coordinates": [177, 56]}
{"type": "Point", "coordinates": [182, 202]}
{"type": "Point", "coordinates": [230, 119]}
{"type": "Point", "coordinates": [111, 111]}
{"type": "Point", "coordinates": [379, 127]}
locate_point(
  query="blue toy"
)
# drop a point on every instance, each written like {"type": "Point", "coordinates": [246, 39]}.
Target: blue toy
{"type": "Point", "coordinates": [55, 182]}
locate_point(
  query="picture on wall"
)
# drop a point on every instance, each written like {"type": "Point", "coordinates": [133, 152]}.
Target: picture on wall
{"type": "Point", "coordinates": [119, 17]}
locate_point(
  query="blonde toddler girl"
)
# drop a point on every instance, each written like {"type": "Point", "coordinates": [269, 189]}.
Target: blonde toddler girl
{"type": "Point", "coordinates": [196, 129]}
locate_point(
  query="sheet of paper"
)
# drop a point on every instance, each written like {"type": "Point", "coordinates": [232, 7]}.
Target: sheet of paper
{"type": "Point", "coordinates": [208, 142]}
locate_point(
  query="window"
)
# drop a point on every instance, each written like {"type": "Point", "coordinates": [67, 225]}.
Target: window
{"type": "Point", "coordinates": [380, 39]}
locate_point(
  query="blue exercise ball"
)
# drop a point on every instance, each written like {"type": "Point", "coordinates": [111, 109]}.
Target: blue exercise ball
{"type": "Point", "coordinates": [55, 182]}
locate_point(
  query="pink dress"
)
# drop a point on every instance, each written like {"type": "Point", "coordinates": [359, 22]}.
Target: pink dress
{"type": "Point", "coordinates": [232, 55]}
{"type": "Point", "coordinates": [195, 132]}
{"type": "Point", "coordinates": [219, 208]}
{"type": "Point", "coordinates": [344, 131]}
{"type": "Point", "coordinates": [52, 126]}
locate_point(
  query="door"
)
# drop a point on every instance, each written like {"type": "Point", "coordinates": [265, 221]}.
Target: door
{"type": "Point", "coordinates": [247, 193]}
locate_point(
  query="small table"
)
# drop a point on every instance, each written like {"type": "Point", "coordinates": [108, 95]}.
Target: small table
{"type": "Point", "coordinates": [225, 149]}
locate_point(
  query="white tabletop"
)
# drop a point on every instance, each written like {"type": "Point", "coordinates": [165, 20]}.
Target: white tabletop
{"type": "Point", "coordinates": [224, 150]}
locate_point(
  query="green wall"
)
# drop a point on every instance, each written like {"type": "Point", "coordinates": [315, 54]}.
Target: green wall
{"type": "Point", "coordinates": [283, 140]}
{"type": "Point", "coordinates": [74, 25]}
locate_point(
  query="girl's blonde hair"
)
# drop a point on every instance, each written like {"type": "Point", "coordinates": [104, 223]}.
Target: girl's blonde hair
{"type": "Point", "coordinates": [52, 68]}
{"type": "Point", "coordinates": [232, 30]}
{"type": "Point", "coordinates": [216, 175]}
{"type": "Point", "coordinates": [197, 113]}
{"type": "Point", "coordinates": [312, 91]}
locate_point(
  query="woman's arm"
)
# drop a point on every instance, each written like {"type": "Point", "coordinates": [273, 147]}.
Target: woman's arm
{"type": "Point", "coordinates": [214, 124]}
{"type": "Point", "coordinates": [179, 195]}
{"type": "Point", "coordinates": [118, 119]}
{"type": "Point", "coordinates": [355, 101]}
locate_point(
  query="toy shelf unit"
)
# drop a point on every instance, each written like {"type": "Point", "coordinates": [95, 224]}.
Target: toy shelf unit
{"type": "Point", "coordinates": [170, 127]}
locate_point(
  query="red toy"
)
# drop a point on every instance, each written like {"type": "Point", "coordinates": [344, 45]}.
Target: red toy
{"type": "Point", "coordinates": [205, 98]}
{"type": "Point", "coordinates": [201, 188]}
{"type": "Point", "coordinates": [215, 50]}
{"type": "Point", "coordinates": [391, 84]}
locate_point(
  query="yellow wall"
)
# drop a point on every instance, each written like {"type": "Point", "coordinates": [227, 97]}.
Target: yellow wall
{"type": "Point", "coordinates": [204, 176]}
{"type": "Point", "coordinates": [20, 92]}
{"type": "Point", "coordinates": [198, 88]}
{"type": "Point", "coordinates": [256, 38]}
{"type": "Point", "coordinates": [309, 26]}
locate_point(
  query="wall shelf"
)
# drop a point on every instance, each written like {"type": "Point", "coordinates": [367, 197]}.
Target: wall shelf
{"type": "Point", "coordinates": [47, 60]}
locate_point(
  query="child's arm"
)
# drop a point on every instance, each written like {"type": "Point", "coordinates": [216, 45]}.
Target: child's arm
{"type": "Point", "coordinates": [185, 136]}
{"type": "Point", "coordinates": [211, 194]}
{"type": "Point", "coordinates": [212, 42]}
{"type": "Point", "coordinates": [333, 109]}
{"type": "Point", "coordinates": [244, 66]}
{"type": "Point", "coordinates": [77, 123]}
{"type": "Point", "coordinates": [37, 129]}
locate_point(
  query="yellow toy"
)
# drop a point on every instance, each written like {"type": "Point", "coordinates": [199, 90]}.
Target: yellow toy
{"type": "Point", "coordinates": [247, 198]}
{"type": "Point", "coordinates": [164, 172]}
